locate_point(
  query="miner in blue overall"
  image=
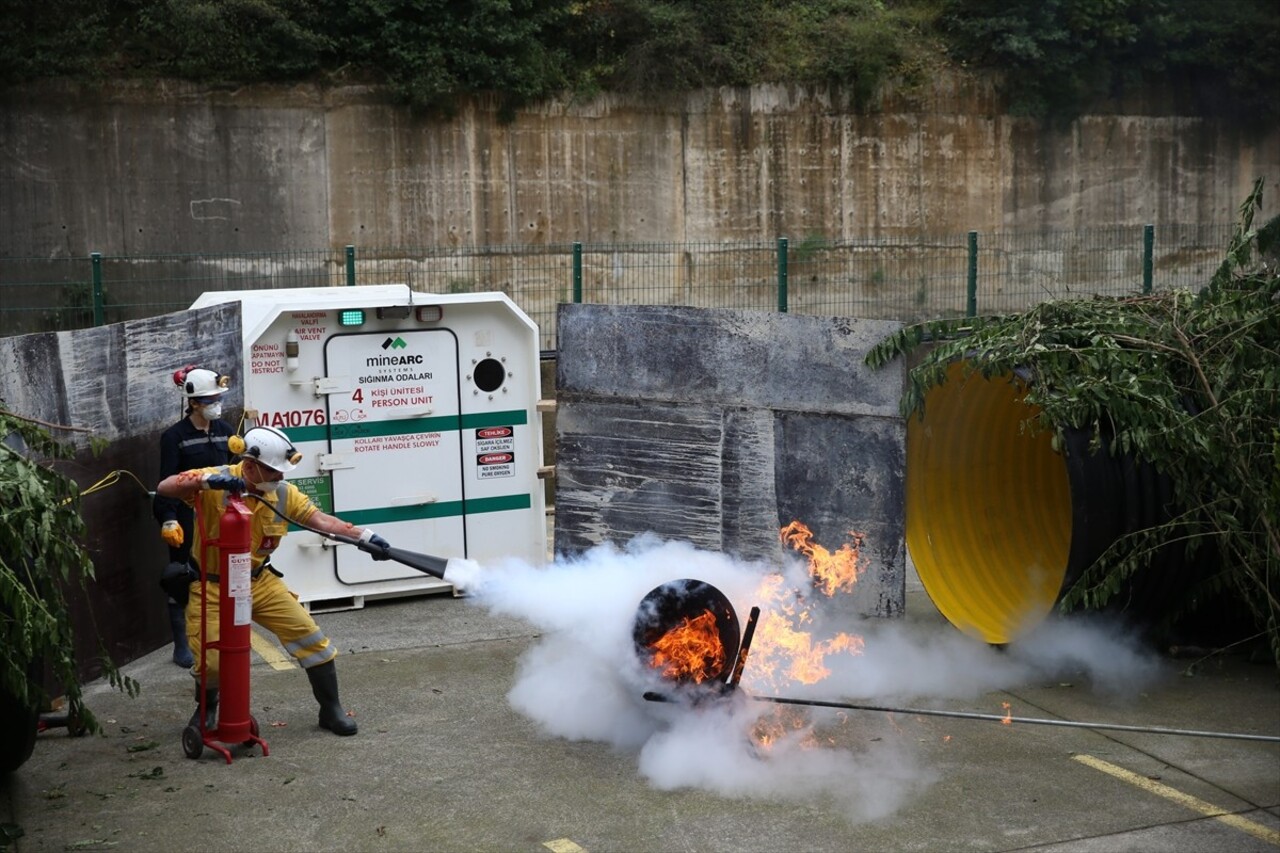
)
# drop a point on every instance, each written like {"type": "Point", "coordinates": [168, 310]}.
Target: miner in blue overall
{"type": "Point", "coordinates": [199, 440]}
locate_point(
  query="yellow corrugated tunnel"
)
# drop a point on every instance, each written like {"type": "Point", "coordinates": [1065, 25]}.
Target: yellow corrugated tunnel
{"type": "Point", "coordinates": [988, 507]}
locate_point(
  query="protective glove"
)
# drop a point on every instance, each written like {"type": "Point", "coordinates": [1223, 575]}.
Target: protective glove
{"type": "Point", "coordinates": [171, 533]}
{"type": "Point", "coordinates": [224, 482]}
{"type": "Point", "coordinates": [380, 545]}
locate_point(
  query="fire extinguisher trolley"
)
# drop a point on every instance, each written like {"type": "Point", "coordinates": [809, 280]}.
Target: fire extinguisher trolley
{"type": "Point", "coordinates": [235, 724]}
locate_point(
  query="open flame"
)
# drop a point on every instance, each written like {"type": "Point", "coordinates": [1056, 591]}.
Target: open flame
{"type": "Point", "coordinates": [783, 651]}
{"type": "Point", "coordinates": [770, 728]}
{"type": "Point", "coordinates": [690, 651]}
{"type": "Point", "coordinates": [831, 571]}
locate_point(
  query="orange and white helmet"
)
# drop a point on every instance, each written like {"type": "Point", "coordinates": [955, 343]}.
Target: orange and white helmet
{"type": "Point", "coordinates": [198, 383]}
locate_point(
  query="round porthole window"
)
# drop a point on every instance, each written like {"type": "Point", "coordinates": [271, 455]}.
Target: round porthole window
{"type": "Point", "coordinates": [489, 375]}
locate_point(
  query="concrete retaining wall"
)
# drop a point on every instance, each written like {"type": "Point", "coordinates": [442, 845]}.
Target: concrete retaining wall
{"type": "Point", "coordinates": [161, 167]}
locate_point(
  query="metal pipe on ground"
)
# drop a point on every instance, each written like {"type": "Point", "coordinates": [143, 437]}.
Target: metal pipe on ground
{"type": "Point", "coordinates": [711, 661]}
{"type": "Point", "coordinates": [653, 696]}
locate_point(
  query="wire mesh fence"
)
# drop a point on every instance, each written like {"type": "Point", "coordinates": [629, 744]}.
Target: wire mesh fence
{"type": "Point", "coordinates": [905, 279]}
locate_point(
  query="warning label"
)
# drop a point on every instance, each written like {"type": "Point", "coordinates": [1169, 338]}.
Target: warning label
{"type": "Point", "coordinates": [266, 358]}
{"type": "Point", "coordinates": [495, 440]}
{"type": "Point", "coordinates": [238, 574]}
{"type": "Point", "coordinates": [491, 466]}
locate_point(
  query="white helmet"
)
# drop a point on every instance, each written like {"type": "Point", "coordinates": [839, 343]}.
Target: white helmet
{"type": "Point", "coordinates": [197, 382]}
{"type": "Point", "coordinates": [272, 448]}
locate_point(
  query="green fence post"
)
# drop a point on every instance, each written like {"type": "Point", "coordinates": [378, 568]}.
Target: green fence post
{"type": "Point", "coordinates": [99, 311]}
{"type": "Point", "coordinates": [971, 303]}
{"type": "Point", "coordinates": [577, 273]}
{"type": "Point", "coordinates": [1148, 251]}
{"type": "Point", "coordinates": [351, 266]}
{"type": "Point", "coordinates": [782, 275]}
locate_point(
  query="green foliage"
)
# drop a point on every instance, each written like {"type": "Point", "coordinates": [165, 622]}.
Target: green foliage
{"type": "Point", "coordinates": [1056, 56]}
{"type": "Point", "coordinates": [1060, 56]}
{"type": "Point", "coordinates": [1275, 476]}
{"type": "Point", "coordinates": [40, 553]}
{"type": "Point", "coordinates": [863, 45]}
{"type": "Point", "coordinates": [808, 248]}
{"type": "Point", "coordinates": [75, 310]}
{"type": "Point", "coordinates": [655, 46]}
{"type": "Point", "coordinates": [1188, 382]}
{"type": "Point", "coordinates": [433, 51]}
{"type": "Point", "coordinates": [227, 41]}
{"type": "Point", "coordinates": [54, 38]}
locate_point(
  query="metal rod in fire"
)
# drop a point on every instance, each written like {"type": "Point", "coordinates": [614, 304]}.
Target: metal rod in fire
{"type": "Point", "coordinates": [750, 632]}
{"type": "Point", "coordinates": [736, 674]}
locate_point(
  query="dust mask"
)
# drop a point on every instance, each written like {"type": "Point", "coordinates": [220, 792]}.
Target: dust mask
{"type": "Point", "coordinates": [266, 486]}
{"type": "Point", "coordinates": [212, 411]}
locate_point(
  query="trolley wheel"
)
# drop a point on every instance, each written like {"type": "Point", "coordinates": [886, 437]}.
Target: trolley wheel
{"type": "Point", "coordinates": [253, 730]}
{"type": "Point", "coordinates": [192, 742]}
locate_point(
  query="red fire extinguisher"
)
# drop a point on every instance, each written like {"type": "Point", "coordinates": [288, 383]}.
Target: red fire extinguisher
{"type": "Point", "coordinates": [235, 608]}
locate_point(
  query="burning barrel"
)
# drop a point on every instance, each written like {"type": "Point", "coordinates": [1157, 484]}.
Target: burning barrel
{"type": "Point", "coordinates": [687, 631]}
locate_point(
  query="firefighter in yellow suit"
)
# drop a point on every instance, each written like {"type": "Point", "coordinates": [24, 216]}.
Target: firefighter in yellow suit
{"type": "Point", "coordinates": [267, 456]}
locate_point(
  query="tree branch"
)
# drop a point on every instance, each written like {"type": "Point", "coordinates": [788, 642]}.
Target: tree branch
{"type": "Point", "coordinates": [47, 424]}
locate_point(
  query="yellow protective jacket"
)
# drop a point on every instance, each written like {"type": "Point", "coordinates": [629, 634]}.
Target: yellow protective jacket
{"type": "Point", "coordinates": [266, 528]}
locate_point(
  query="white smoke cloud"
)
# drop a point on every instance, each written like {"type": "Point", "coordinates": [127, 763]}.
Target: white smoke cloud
{"type": "Point", "coordinates": [713, 750]}
{"type": "Point", "coordinates": [903, 661]}
{"type": "Point", "coordinates": [582, 679]}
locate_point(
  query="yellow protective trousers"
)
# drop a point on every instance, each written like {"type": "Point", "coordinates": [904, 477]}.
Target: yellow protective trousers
{"type": "Point", "coordinates": [274, 608]}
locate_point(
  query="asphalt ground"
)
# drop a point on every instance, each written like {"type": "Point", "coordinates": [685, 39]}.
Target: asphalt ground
{"type": "Point", "coordinates": [454, 755]}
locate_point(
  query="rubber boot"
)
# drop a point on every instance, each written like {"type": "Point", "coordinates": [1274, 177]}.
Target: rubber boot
{"type": "Point", "coordinates": [178, 623]}
{"type": "Point", "coordinates": [210, 710]}
{"type": "Point", "coordinates": [324, 684]}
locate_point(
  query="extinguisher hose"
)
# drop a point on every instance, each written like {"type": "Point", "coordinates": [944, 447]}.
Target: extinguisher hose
{"type": "Point", "coordinates": [333, 537]}
{"type": "Point", "coordinates": [425, 563]}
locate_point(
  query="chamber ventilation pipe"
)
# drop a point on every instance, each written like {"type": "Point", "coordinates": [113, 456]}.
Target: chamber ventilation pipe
{"type": "Point", "coordinates": [1002, 518]}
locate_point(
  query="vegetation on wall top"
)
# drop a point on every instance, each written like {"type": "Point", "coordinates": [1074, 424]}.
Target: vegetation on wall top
{"type": "Point", "coordinates": [1056, 56]}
